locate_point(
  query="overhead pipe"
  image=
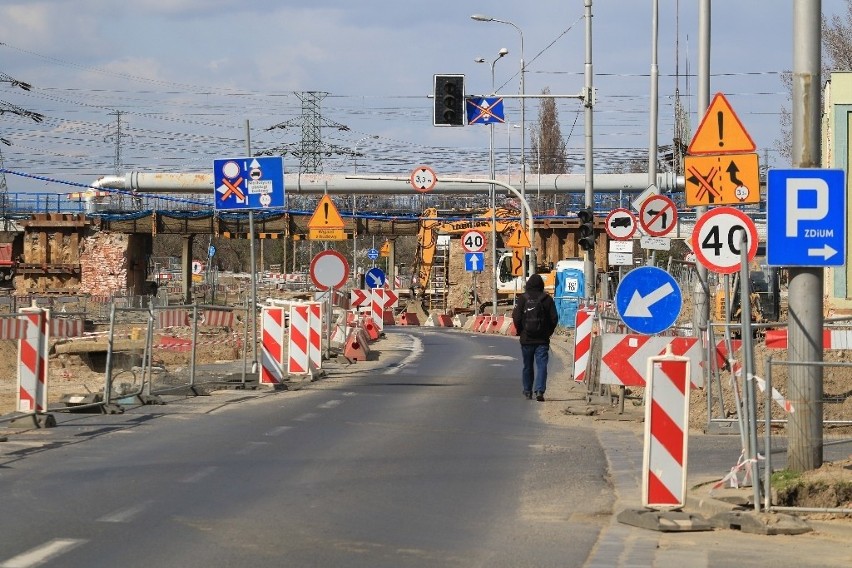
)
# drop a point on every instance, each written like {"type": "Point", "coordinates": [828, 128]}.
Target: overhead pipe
{"type": "Point", "coordinates": [185, 183]}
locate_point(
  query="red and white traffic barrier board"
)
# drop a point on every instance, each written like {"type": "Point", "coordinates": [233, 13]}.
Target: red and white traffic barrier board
{"type": "Point", "coordinates": [359, 298]}
{"type": "Point", "coordinates": [304, 348]}
{"type": "Point", "coordinates": [272, 345]}
{"type": "Point", "coordinates": [666, 433]}
{"type": "Point", "coordinates": [624, 356]}
{"type": "Point", "coordinates": [831, 339]}
{"type": "Point", "coordinates": [66, 327]}
{"type": "Point", "coordinates": [583, 342]}
{"type": "Point", "coordinates": [32, 361]}
{"type": "Point", "coordinates": [178, 317]}
{"type": "Point", "coordinates": [13, 328]}
{"type": "Point", "coordinates": [218, 318]}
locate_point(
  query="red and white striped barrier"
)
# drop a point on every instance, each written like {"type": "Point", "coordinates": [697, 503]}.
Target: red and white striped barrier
{"type": "Point", "coordinates": [32, 361]}
{"type": "Point", "coordinates": [272, 346]}
{"type": "Point", "coordinates": [217, 318]}
{"type": "Point", "coordinates": [177, 317]}
{"type": "Point", "coordinates": [66, 327]}
{"type": "Point", "coordinates": [666, 434]}
{"type": "Point", "coordinates": [304, 354]}
{"type": "Point", "coordinates": [583, 342]}
{"type": "Point", "coordinates": [831, 339]}
{"type": "Point", "coordinates": [13, 328]}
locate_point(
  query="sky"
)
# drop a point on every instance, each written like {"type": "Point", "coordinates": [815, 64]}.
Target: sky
{"type": "Point", "coordinates": [175, 82]}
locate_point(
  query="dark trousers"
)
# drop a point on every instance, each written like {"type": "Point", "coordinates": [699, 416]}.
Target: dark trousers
{"type": "Point", "coordinates": [534, 375]}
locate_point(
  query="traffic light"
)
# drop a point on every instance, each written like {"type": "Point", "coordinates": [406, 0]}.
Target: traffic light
{"type": "Point", "coordinates": [587, 229]}
{"type": "Point", "coordinates": [449, 100]}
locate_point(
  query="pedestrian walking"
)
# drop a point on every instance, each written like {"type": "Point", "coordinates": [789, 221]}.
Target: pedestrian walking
{"type": "Point", "coordinates": [535, 319]}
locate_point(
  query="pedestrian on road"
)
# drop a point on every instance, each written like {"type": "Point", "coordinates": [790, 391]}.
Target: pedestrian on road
{"type": "Point", "coordinates": [535, 320]}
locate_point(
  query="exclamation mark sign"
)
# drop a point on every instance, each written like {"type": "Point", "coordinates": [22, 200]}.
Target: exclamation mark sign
{"type": "Point", "coordinates": [325, 209]}
{"type": "Point", "coordinates": [720, 120]}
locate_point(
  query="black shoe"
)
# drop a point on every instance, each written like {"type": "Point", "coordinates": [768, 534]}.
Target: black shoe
{"type": "Point", "coordinates": [528, 394]}
{"type": "Point", "coordinates": [539, 396]}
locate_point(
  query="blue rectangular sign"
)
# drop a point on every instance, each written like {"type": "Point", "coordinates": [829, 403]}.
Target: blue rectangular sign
{"type": "Point", "coordinates": [806, 217]}
{"type": "Point", "coordinates": [474, 261]}
{"type": "Point", "coordinates": [484, 110]}
{"type": "Point", "coordinates": [248, 183]}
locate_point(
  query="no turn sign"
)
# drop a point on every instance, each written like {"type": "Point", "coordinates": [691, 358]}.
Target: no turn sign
{"type": "Point", "coordinates": [719, 237]}
{"type": "Point", "coordinates": [658, 216]}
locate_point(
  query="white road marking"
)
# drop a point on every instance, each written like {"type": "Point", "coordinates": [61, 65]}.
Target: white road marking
{"type": "Point", "coordinates": [124, 515]}
{"type": "Point", "coordinates": [199, 475]}
{"type": "Point", "coordinates": [330, 404]}
{"type": "Point", "coordinates": [278, 430]}
{"type": "Point", "coordinates": [416, 351]}
{"type": "Point", "coordinates": [495, 357]}
{"type": "Point", "coordinates": [249, 447]}
{"type": "Point", "coordinates": [305, 417]}
{"type": "Point", "coordinates": [43, 553]}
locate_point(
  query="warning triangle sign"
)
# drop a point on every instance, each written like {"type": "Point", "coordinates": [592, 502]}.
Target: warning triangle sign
{"type": "Point", "coordinates": [720, 131]}
{"type": "Point", "coordinates": [326, 215]}
{"type": "Point", "coordinates": [518, 239]}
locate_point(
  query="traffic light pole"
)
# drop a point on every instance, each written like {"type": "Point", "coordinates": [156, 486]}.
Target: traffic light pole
{"type": "Point", "coordinates": [588, 102]}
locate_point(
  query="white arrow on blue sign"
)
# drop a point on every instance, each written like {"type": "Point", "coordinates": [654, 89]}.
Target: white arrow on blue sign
{"type": "Point", "coordinates": [374, 278]}
{"type": "Point", "coordinates": [648, 299]}
{"type": "Point", "coordinates": [806, 217]}
{"type": "Point", "coordinates": [474, 261]}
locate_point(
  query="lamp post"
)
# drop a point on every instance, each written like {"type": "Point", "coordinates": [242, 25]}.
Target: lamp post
{"type": "Point", "coordinates": [355, 219]}
{"type": "Point", "coordinates": [484, 18]}
{"type": "Point", "coordinates": [492, 192]}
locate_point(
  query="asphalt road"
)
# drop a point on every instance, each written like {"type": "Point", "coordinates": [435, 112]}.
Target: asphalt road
{"type": "Point", "coordinates": [431, 459]}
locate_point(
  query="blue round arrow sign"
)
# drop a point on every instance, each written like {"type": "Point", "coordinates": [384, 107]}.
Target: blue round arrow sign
{"type": "Point", "coordinates": [648, 299]}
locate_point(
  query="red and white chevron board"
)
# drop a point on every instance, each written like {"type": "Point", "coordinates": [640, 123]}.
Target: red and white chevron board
{"type": "Point", "coordinates": [32, 361]}
{"type": "Point", "coordinates": [666, 434]}
{"type": "Point", "coordinates": [272, 345]}
{"type": "Point", "coordinates": [13, 327]}
{"type": "Point", "coordinates": [377, 308]}
{"type": "Point", "coordinates": [831, 339]}
{"type": "Point", "coordinates": [583, 342]}
{"type": "Point", "coordinates": [315, 335]}
{"type": "Point", "coordinates": [625, 356]}
{"type": "Point", "coordinates": [359, 298]}
{"type": "Point", "coordinates": [218, 318]}
{"type": "Point", "coordinates": [172, 318]}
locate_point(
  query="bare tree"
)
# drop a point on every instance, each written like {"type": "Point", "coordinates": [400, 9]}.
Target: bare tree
{"type": "Point", "coordinates": [547, 144]}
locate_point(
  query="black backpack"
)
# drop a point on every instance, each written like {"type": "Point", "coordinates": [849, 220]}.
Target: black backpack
{"type": "Point", "coordinates": [535, 317]}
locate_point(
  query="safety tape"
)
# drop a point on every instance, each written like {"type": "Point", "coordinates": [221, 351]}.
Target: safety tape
{"type": "Point", "coordinates": [761, 384]}
{"type": "Point", "coordinates": [743, 464]}
{"type": "Point", "coordinates": [233, 338]}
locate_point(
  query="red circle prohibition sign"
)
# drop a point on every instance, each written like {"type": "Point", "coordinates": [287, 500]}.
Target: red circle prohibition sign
{"type": "Point", "coordinates": [329, 269]}
{"type": "Point", "coordinates": [658, 215]}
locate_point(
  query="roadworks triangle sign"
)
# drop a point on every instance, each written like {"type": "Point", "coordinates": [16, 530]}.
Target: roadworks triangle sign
{"type": "Point", "coordinates": [326, 215]}
{"type": "Point", "coordinates": [720, 131]}
{"type": "Point", "coordinates": [518, 239]}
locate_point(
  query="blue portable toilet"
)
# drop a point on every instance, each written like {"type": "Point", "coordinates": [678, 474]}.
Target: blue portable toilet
{"type": "Point", "coordinates": [570, 287]}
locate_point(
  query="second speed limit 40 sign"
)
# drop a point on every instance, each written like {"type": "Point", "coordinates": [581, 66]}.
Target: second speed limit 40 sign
{"type": "Point", "coordinates": [719, 237]}
{"type": "Point", "coordinates": [473, 241]}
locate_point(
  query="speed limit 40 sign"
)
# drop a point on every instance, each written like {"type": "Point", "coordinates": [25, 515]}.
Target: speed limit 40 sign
{"type": "Point", "coordinates": [473, 241]}
{"type": "Point", "coordinates": [720, 236]}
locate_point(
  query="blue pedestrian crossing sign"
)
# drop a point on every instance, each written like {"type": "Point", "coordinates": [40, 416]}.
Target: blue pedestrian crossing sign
{"type": "Point", "coordinates": [474, 261]}
{"type": "Point", "coordinates": [648, 299]}
{"type": "Point", "coordinates": [374, 278]}
{"type": "Point", "coordinates": [485, 110]}
{"type": "Point", "coordinates": [806, 217]}
{"type": "Point", "coordinates": [248, 183]}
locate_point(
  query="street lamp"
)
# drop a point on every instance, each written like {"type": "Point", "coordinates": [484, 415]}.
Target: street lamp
{"type": "Point", "coordinates": [493, 193]}
{"type": "Point", "coordinates": [355, 150]}
{"type": "Point", "coordinates": [354, 218]}
{"type": "Point", "coordinates": [484, 18]}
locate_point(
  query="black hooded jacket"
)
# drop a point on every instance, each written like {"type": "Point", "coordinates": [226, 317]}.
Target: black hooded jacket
{"type": "Point", "coordinates": [535, 289]}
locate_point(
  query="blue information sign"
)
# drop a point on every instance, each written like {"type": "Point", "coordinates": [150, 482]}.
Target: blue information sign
{"type": "Point", "coordinates": [374, 278]}
{"type": "Point", "coordinates": [648, 299]}
{"type": "Point", "coordinates": [806, 218]}
{"type": "Point", "coordinates": [248, 183]}
{"type": "Point", "coordinates": [372, 254]}
{"type": "Point", "coordinates": [474, 261]}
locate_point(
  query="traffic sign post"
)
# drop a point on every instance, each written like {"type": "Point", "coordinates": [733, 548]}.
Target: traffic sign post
{"type": "Point", "coordinates": [719, 237]}
{"type": "Point", "coordinates": [248, 183]}
{"type": "Point", "coordinates": [423, 179]}
{"type": "Point", "coordinates": [329, 270]}
{"type": "Point", "coordinates": [806, 217]}
{"type": "Point", "coordinates": [620, 224]}
{"type": "Point", "coordinates": [648, 300]}
{"type": "Point", "coordinates": [658, 215]}
{"type": "Point", "coordinates": [473, 241]}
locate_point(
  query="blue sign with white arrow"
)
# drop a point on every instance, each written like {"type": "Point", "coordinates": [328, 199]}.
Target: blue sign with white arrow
{"type": "Point", "coordinates": [485, 110]}
{"type": "Point", "coordinates": [648, 299]}
{"type": "Point", "coordinates": [474, 261]}
{"type": "Point", "coordinates": [806, 217]}
{"type": "Point", "coordinates": [374, 278]}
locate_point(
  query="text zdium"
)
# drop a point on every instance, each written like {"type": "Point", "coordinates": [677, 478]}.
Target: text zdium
{"type": "Point", "coordinates": [819, 233]}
